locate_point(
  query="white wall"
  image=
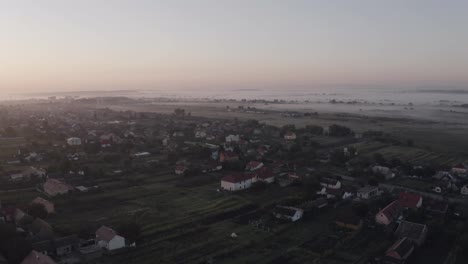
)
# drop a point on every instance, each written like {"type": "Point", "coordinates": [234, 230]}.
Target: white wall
{"type": "Point", "coordinates": [116, 243]}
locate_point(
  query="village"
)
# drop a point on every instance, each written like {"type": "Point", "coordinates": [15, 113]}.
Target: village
{"type": "Point", "coordinates": [85, 184]}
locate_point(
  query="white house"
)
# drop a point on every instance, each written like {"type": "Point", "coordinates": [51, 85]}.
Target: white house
{"type": "Point", "coordinates": [330, 183]}
{"type": "Point", "coordinates": [241, 181]}
{"type": "Point", "coordinates": [290, 135]}
{"type": "Point", "coordinates": [107, 238]}
{"type": "Point", "coordinates": [368, 192]}
{"type": "Point", "coordinates": [232, 138]}
{"type": "Point", "coordinates": [464, 190]}
{"type": "Point", "coordinates": [288, 213]}
{"type": "Point", "coordinates": [74, 141]}
{"type": "Point", "coordinates": [235, 182]}
{"type": "Point", "coordinates": [200, 134]}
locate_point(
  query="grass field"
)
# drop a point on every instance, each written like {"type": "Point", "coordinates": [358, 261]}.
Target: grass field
{"type": "Point", "coordinates": [411, 154]}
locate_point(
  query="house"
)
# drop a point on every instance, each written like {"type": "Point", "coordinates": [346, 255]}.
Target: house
{"type": "Point", "coordinates": [460, 169]}
{"type": "Point", "coordinates": [107, 238]}
{"type": "Point", "coordinates": [389, 214]}
{"type": "Point", "coordinates": [53, 187]}
{"type": "Point", "coordinates": [413, 231]}
{"type": "Point", "coordinates": [253, 165]}
{"type": "Point", "coordinates": [330, 183]}
{"type": "Point", "coordinates": [37, 258]}
{"type": "Point", "coordinates": [349, 220]}
{"type": "Point", "coordinates": [143, 154]}
{"type": "Point", "coordinates": [200, 134]}
{"type": "Point", "coordinates": [19, 215]}
{"type": "Point", "coordinates": [227, 156]}
{"type": "Point", "coordinates": [290, 135]}
{"type": "Point", "coordinates": [444, 176]}
{"type": "Point", "coordinates": [59, 247]}
{"type": "Point", "coordinates": [331, 193]}
{"type": "Point", "coordinates": [180, 169]}
{"type": "Point", "coordinates": [264, 174]}
{"type": "Point", "coordinates": [109, 139]}
{"type": "Point", "coordinates": [66, 245]}
{"type": "Point", "coordinates": [49, 206]}
{"type": "Point", "coordinates": [464, 190]}
{"type": "Point", "coordinates": [410, 200]}
{"type": "Point", "coordinates": [74, 141]}
{"type": "Point", "coordinates": [241, 181]}
{"type": "Point", "coordinates": [368, 192]}
{"type": "Point", "coordinates": [26, 174]}
{"type": "Point", "coordinates": [232, 138]}
{"type": "Point", "coordinates": [288, 213]}
{"type": "Point", "coordinates": [236, 181]}
{"type": "Point", "coordinates": [399, 252]}
{"type": "Point", "coordinates": [41, 230]}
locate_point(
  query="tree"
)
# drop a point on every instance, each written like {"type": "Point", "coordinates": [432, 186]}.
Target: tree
{"type": "Point", "coordinates": [311, 184]}
{"type": "Point", "coordinates": [16, 250]}
{"type": "Point", "coordinates": [10, 132]}
{"type": "Point", "coordinates": [65, 166]}
{"type": "Point", "coordinates": [37, 210]}
{"type": "Point", "coordinates": [314, 130]}
{"type": "Point", "coordinates": [179, 112]}
{"type": "Point", "coordinates": [379, 159]}
{"type": "Point", "coordinates": [361, 209]}
{"type": "Point", "coordinates": [131, 231]}
{"type": "Point", "coordinates": [338, 157]}
{"type": "Point", "coordinates": [339, 131]}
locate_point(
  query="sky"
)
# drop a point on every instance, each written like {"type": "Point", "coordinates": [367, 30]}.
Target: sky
{"type": "Point", "coordinates": [65, 45]}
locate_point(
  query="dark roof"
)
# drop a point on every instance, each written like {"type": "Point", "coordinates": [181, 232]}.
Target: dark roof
{"type": "Point", "coordinates": [38, 225]}
{"type": "Point", "coordinates": [328, 180]}
{"type": "Point", "coordinates": [286, 210]}
{"type": "Point", "coordinates": [66, 241]}
{"type": "Point", "coordinates": [413, 231]}
{"type": "Point", "coordinates": [401, 247]}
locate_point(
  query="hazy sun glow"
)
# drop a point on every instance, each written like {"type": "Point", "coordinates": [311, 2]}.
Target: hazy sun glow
{"type": "Point", "coordinates": [115, 44]}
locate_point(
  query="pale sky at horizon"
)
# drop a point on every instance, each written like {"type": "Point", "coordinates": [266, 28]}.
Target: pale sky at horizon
{"type": "Point", "coordinates": [54, 45]}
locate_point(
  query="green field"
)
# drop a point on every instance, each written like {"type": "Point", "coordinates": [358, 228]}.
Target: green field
{"type": "Point", "coordinates": [411, 154]}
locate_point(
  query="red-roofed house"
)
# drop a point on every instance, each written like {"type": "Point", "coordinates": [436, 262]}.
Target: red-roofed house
{"type": "Point", "coordinates": [225, 156]}
{"type": "Point", "coordinates": [241, 181]}
{"type": "Point", "coordinates": [389, 214]}
{"type": "Point", "coordinates": [253, 165]}
{"type": "Point", "coordinates": [54, 187]}
{"type": "Point", "coordinates": [460, 169]}
{"type": "Point", "coordinates": [37, 258]}
{"type": "Point", "coordinates": [410, 200]}
{"type": "Point", "coordinates": [49, 206]}
{"type": "Point", "coordinates": [107, 238]}
{"type": "Point", "coordinates": [290, 135]}
{"type": "Point", "coordinates": [265, 174]}
{"type": "Point", "coordinates": [236, 181]}
{"type": "Point", "coordinates": [180, 169]}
